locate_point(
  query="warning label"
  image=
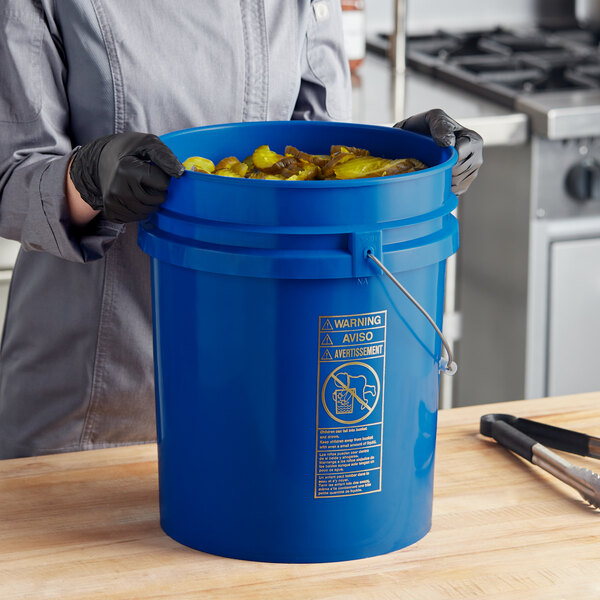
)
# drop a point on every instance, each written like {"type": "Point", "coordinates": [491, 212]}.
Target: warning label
{"type": "Point", "coordinates": [350, 404]}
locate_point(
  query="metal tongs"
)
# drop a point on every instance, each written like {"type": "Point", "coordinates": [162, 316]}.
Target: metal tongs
{"type": "Point", "coordinates": [529, 439]}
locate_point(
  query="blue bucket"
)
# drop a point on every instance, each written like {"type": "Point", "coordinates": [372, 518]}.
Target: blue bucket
{"type": "Point", "coordinates": [297, 388]}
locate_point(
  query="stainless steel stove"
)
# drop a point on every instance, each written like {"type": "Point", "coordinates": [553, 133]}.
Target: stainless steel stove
{"type": "Point", "coordinates": [528, 285]}
{"type": "Point", "coordinates": [551, 74]}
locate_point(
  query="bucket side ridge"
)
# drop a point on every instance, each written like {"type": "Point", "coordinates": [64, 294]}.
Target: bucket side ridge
{"type": "Point", "coordinates": [192, 229]}
{"type": "Point", "coordinates": [304, 261]}
{"type": "Point", "coordinates": [262, 236]}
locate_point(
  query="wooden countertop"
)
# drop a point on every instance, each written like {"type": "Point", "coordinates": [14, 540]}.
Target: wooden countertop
{"type": "Point", "coordinates": [85, 525]}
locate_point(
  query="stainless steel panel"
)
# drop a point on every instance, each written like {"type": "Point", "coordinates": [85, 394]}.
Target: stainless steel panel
{"type": "Point", "coordinates": [492, 279]}
{"type": "Point", "coordinates": [563, 115]}
{"type": "Point", "coordinates": [551, 165]}
{"type": "Point", "coordinates": [574, 323]}
{"type": "Point", "coordinates": [500, 130]}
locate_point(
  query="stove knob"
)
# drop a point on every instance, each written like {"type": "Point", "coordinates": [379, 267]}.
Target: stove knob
{"type": "Point", "coordinates": [583, 181]}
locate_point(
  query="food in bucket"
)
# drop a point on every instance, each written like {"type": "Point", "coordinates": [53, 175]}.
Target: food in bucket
{"type": "Point", "coordinates": [342, 162]}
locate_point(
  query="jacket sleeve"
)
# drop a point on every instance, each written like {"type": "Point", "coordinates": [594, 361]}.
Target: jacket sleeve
{"type": "Point", "coordinates": [35, 148]}
{"type": "Point", "coordinates": [325, 90]}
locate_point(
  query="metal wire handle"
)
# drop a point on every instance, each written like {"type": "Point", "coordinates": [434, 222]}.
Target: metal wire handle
{"type": "Point", "coordinates": [450, 367]}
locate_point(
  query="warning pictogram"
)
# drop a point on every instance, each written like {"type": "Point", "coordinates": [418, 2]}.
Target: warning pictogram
{"type": "Point", "coordinates": [351, 392]}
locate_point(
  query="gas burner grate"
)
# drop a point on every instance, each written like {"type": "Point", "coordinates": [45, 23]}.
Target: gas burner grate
{"type": "Point", "coordinates": [508, 44]}
{"type": "Point", "coordinates": [505, 65]}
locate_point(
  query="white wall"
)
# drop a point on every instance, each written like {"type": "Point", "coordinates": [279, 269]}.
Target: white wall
{"type": "Point", "coordinates": [428, 15]}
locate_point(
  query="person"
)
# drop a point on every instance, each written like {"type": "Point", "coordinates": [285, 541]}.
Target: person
{"type": "Point", "coordinates": [87, 85]}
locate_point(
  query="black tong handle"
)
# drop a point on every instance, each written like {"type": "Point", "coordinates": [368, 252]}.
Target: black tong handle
{"type": "Point", "coordinates": [547, 435]}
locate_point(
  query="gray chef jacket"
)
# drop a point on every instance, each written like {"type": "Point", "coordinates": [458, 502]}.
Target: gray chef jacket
{"type": "Point", "coordinates": [76, 364]}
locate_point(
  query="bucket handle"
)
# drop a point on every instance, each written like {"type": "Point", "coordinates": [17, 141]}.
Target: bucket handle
{"type": "Point", "coordinates": [448, 366]}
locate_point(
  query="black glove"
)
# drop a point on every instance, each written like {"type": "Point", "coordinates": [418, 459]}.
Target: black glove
{"type": "Point", "coordinates": [445, 131]}
{"type": "Point", "coordinates": [125, 175]}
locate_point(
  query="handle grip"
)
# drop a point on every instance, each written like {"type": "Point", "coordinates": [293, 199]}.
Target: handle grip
{"type": "Point", "coordinates": [513, 439]}
{"type": "Point", "coordinates": [555, 437]}
{"type": "Point", "coordinates": [547, 435]}
{"type": "Point", "coordinates": [500, 427]}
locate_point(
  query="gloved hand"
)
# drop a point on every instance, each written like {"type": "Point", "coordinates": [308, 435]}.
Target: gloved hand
{"type": "Point", "coordinates": [125, 175]}
{"type": "Point", "coordinates": [445, 131]}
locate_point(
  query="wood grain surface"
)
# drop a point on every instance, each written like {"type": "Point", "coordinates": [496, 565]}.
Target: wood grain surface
{"type": "Point", "coordinates": [85, 526]}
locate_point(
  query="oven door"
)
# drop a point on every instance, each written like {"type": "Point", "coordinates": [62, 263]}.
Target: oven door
{"type": "Point", "coordinates": [564, 308]}
{"type": "Point", "coordinates": [574, 317]}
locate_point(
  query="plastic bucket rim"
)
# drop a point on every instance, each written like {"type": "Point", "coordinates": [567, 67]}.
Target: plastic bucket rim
{"type": "Point", "coordinates": [325, 184]}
